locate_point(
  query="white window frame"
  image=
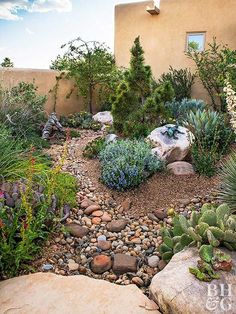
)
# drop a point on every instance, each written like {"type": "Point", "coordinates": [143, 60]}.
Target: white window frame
{"type": "Point", "coordinates": [188, 34]}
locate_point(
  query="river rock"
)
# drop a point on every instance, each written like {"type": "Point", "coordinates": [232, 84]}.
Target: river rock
{"type": "Point", "coordinates": [50, 293]}
{"type": "Point", "coordinates": [169, 148]}
{"type": "Point", "coordinates": [101, 263]}
{"type": "Point", "coordinates": [175, 290]}
{"type": "Point", "coordinates": [103, 117]}
{"type": "Point", "coordinates": [153, 261]}
{"type": "Point", "coordinates": [124, 263]}
{"type": "Point", "coordinates": [116, 225]}
{"type": "Point", "coordinates": [104, 245]}
{"type": "Point", "coordinates": [77, 230]}
{"type": "Point", "coordinates": [92, 208]}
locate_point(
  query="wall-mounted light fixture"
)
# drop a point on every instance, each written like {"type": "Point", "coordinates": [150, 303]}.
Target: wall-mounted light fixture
{"type": "Point", "coordinates": [154, 10]}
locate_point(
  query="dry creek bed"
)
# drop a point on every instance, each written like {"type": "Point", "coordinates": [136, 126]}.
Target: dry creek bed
{"type": "Point", "coordinates": [115, 236]}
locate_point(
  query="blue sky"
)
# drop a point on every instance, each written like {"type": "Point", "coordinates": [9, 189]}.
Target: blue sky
{"type": "Point", "coordinates": [32, 31]}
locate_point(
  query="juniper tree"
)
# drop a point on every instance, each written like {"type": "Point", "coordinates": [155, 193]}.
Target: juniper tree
{"type": "Point", "coordinates": [139, 75]}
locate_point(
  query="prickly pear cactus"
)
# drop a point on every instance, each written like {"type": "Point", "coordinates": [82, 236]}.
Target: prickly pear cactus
{"type": "Point", "coordinates": [212, 226]}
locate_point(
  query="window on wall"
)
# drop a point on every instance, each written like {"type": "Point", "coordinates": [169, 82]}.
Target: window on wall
{"type": "Point", "coordinates": [195, 41]}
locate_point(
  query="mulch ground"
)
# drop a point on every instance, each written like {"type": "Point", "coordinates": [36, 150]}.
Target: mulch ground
{"type": "Point", "coordinates": [162, 190]}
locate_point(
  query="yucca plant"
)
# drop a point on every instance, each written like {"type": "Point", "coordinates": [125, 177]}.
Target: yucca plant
{"type": "Point", "coordinates": [227, 191]}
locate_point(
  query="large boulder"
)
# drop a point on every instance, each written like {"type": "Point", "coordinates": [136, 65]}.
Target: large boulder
{"type": "Point", "coordinates": [103, 117]}
{"type": "Point", "coordinates": [175, 290]}
{"type": "Point", "coordinates": [170, 148]}
{"type": "Point", "coordinates": [48, 293]}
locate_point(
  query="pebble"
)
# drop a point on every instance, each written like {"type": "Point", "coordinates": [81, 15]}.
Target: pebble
{"type": "Point", "coordinates": [153, 261]}
{"type": "Point", "coordinates": [47, 267]}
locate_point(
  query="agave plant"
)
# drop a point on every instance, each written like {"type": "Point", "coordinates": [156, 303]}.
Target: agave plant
{"type": "Point", "coordinates": [227, 191]}
{"type": "Point", "coordinates": [210, 129]}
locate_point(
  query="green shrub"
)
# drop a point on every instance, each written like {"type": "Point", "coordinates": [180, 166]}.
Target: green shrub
{"type": "Point", "coordinates": [227, 191]}
{"type": "Point", "coordinates": [124, 103]}
{"type": "Point", "coordinates": [22, 233]}
{"type": "Point", "coordinates": [81, 120]}
{"type": "Point", "coordinates": [181, 81]}
{"type": "Point", "coordinates": [22, 110]}
{"type": "Point", "coordinates": [63, 182]}
{"type": "Point", "coordinates": [94, 147]}
{"type": "Point", "coordinates": [179, 109]}
{"type": "Point", "coordinates": [214, 64]}
{"type": "Point", "coordinates": [125, 164]}
{"type": "Point", "coordinates": [74, 134]}
{"type": "Point", "coordinates": [212, 137]}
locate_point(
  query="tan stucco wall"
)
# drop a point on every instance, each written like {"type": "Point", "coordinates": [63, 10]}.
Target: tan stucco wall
{"type": "Point", "coordinates": [163, 36]}
{"type": "Point", "coordinates": [45, 80]}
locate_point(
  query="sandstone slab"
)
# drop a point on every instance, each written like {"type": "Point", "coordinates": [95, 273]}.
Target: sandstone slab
{"type": "Point", "coordinates": [48, 293]}
{"type": "Point", "coordinates": [175, 290]}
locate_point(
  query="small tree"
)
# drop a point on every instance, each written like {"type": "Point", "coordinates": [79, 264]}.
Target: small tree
{"type": "Point", "coordinates": [213, 66]}
{"type": "Point", "coordinates": [139, 75]}
{"type": "Point", "coordinates": [90, 64]}
{"type": "Point", "coordinates": [181, 80]}
{"type": "Point", "coordinates": [7, 63]}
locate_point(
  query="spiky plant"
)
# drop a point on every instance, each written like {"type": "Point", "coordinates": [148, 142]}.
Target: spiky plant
{"type": "Point", "coordinates": [227, 191]}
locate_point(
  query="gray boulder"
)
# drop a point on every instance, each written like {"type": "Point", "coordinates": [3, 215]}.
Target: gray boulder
{"type": "Point", "coordinates": [169, 148]}
{"type": "Point", "coordinates": [103, 117]}
{"type": "Point", "coordinates": [177, 291]}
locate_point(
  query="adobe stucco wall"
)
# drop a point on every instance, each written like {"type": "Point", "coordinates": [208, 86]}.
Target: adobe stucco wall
{"type": "Point", "coordinates": [45, 80]}
{"type": "Point", "coordinates": [163, 36]}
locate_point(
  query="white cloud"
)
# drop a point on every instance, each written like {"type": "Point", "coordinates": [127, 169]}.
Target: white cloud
{"type": "Point", "coordinates": [2, 48]}
{"type": "Point", "coordinates": [10, 8]}
{"type": "Point", "coordinates": [51, 5]}
{"type": "Point", "coordinates": [29, 31]}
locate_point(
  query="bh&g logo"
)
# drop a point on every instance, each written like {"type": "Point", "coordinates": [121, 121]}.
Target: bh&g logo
{"type": "Point", "coordinates": [219, 297]}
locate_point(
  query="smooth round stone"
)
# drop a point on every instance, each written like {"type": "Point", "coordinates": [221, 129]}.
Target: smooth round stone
{"type": "Point", "coordinates": [96, 220]}
{"type": "Point", "coordinates": [137, 281]}
{"type": "Point", "coordinates": [101, 238]}
{"type": "Point", "coordinates": [97, 213]}
{"type": "Point", "coordinates": [104, 245]}
{"type": "Point", "coordinates": [153, 261]}
{"type": "Point", "coordinates": [106, 217]}
{"type": "Point", "coordinates": [47, 267]}
{"type": "Point", "coordinates": [100, 264]}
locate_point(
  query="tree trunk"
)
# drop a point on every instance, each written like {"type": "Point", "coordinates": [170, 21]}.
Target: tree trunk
{"type": "Point", "coordinates": [90, 98]}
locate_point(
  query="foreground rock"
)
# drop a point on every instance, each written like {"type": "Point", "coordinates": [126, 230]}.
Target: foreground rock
{"type": "Point", "coordinates": [103, 117]}
{"type": "Point", "coordinates": [175, 290]}
{"type": "Point", "coordinates": [169, 148]}
{"type": "Point", "coordinates": [47, 293]}
{"type": "Point", "coordinates": [181, 168]}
